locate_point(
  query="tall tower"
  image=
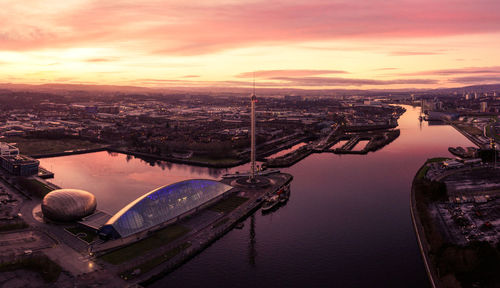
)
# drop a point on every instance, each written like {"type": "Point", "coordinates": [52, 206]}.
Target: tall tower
{"type": "Point", "coordinates": [252, 145]}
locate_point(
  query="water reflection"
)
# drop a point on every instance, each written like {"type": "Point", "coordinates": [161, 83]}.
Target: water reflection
{"type": "Point", "coordinates": [348, 224]}
{"type": "Point", "coordinates": [116, 179]}
{"type": "Point", "coordinates": [252, 251]}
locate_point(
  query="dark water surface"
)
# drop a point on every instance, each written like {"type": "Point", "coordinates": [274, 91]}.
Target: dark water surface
{"type": "Point", "coordinates": [347, 223]}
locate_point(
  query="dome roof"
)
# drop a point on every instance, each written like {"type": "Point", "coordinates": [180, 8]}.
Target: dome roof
{"type": "Point", "coordinates": [68, 204]}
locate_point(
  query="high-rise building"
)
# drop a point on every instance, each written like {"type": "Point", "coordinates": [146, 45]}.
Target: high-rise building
{"type": "Point", "coordinates": [483, 106]}
{"type": "Point", "coordinates": [252, 145]}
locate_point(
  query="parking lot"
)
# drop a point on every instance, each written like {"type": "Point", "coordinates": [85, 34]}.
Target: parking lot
{"type": "Point", "coordinates": [467, 222]}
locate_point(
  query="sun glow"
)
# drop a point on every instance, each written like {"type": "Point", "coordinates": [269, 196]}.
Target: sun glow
{"type": "Point", "coordinates": [163, 43]}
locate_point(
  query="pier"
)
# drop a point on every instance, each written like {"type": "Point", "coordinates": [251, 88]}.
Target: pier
{"type": "Point", "coordinates": [376, 140]}
{"type": "Point", "coordinates": [350, 144]}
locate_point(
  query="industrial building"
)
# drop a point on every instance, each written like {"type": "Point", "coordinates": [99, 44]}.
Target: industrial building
{"type": "Point", "coordinates": [163, 206]}
{"type": "Point", "coordinates": [17, 164]}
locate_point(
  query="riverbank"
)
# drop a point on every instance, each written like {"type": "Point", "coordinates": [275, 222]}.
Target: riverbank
{"type": "Point", "coordinates": [41, 147]}
{"type": "Point", "coordinates": [474, 138]}
{"type": "Point", "coordinates": [454, 235]}
{"type": "Point", "coordinates": [69, 152]}
{"type": "Point", "coordinates": [45, 148]}
{"type": "Point", "coordinates": [202, 162]}
{"type": "Point", "coordinates": [76, 146]}
{"type": "Point", "coordinates": [419, 231]}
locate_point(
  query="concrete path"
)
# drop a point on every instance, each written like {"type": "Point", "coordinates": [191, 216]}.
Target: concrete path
{"type": "Point", "coordinates": [70, 260]}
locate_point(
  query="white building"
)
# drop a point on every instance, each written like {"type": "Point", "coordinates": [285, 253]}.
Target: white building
{"type": "Point", "coordinates": [8, 150]}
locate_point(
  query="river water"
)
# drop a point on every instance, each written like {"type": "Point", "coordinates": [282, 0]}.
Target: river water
{"type": "Point", "coordinates": [347, 223]}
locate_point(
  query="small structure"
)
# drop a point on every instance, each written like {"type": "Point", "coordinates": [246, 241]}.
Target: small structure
{"type": "Point", "coordinates": [450, 164]}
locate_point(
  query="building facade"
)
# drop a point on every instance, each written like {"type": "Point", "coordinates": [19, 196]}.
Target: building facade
{"type": "Point", "coordinates": [17, 164]}
{"type": "Point", "coordinates": [162, 206]}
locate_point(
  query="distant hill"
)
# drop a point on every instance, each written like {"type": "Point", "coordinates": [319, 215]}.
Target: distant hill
{"type": "Point", "coordinates": [472, 88]}
{"type": "Point", "coordinates": [73, 89]}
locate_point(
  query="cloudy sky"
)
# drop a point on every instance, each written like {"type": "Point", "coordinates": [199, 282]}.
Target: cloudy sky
{"type": "Point", "coordinates": [305, 44]}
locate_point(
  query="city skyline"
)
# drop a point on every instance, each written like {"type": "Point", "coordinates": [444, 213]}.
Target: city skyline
{"type": "Point", "coordinates": [292, 44]}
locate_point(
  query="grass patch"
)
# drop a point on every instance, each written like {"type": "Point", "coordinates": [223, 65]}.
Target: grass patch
{"type": "Point", "coordinates": [470, 129]}
{"type": "Point", "coordinates": [423, 170]}
{"type": "Point", "coordinates": [158, 239]}
{"type": "Point", "coordinates": [13, 225]}
{"type": "Point", "coordinates": [438, 159]}
{"type": "Point", "coordinates": [215, 161]}
{"type": "Point", "coordinates": [38, 146]}
{"type": "Point", "coordinates": [220, 222]}
{"type": "Point", "coordinates": [153, 262]}
{"type": "Point", "coordinates": [89, 236]}
{"type": "Point", "coordinates": [35, 187]}
{"type": "Point", "coordinates": [40, 263]}
{"type": "Point", "coordinates": [491, 132]}
{"type": "Point", "coordinates": [229, 204]}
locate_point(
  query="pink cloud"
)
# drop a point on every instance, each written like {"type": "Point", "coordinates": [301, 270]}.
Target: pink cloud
{"type": "Point", "coordinates": [413, 53]}
{"type": "Point", "coordinates": [110, 59]}
{"type": "Point", "coordinates": [287, 73]}
{"type": "Point", "coordinates": [178, 28]}
{"type": "Point", "coordinates": [281, 82]}
{"type": "Point", "coordinates": [481, 79]}
{"type": "Point", "coordinates": [338, 81]}
{"type": "Point", "coordinates": [453, 71]}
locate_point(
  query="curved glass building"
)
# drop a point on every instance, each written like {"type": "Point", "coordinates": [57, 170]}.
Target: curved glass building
{"type": "Point", "coordinates": [161, 205]}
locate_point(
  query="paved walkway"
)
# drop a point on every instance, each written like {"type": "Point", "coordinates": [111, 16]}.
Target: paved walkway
{"type": "Point", "coordinates": [71, 261]}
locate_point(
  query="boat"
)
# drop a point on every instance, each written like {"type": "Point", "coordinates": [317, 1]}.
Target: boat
{"type": "Point", "coordinates": [283, 199]}
{"type": "Point", "coordinates": [469, 152]}
{"type": "Point", "coordinates": [284, 194]}
{"type": "Point", "coordinates": [270, 203]}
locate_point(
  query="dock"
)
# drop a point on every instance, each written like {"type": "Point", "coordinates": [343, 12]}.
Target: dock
{"type": "Point", "coordinates": [44, 173]}
{"type": "Point", "coordinates": [377, 140]}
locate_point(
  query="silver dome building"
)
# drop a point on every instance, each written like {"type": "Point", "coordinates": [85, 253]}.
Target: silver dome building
{"type": "Point", "coordinates": [68, 205]}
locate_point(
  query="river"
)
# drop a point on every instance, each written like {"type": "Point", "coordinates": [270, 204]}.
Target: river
{"type": "Point", "coordinates": [347, 223]}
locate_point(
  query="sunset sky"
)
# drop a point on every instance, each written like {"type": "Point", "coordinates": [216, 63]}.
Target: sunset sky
{"type": "Point", "coordinates": [304, 44]}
